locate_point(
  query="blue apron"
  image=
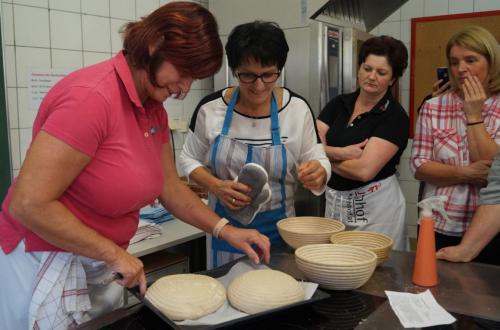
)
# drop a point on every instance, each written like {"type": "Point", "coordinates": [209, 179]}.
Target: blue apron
{"type": "Point", "coordinates": [228, 155]}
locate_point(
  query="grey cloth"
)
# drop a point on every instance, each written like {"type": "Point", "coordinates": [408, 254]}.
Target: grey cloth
{"type": "Point", "coordinates": [255, 177]}
{"type": "Point", "coordinates": [491, 193]}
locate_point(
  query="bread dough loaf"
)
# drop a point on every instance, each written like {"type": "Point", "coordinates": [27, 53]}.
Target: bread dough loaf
{"type": "Point", "coordinates": [186, 296]}
{"type": "Point", "coordinates": [259, 290]}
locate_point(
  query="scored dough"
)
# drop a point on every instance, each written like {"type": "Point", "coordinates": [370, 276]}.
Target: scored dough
{"type": "Point", "coordinates": [259, 290]}
{"type": "Point", "coordinates": [186, 296]}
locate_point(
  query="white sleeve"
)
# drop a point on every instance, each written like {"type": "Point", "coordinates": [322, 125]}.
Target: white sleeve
{"type": "Point", "coordinates": [312, 148]}
{"type": "Point", "coordinates": [195, 149]}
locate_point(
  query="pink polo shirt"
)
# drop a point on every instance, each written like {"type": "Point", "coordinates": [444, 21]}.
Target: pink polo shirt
{"type": "Point", "coordinates": [97, 111]}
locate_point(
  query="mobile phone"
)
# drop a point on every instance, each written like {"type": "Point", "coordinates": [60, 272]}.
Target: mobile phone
{"type": "Point", "coordinates": [442, 73]}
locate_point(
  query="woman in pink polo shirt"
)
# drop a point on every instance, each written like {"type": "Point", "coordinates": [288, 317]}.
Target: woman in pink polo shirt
{"type": "Point", "coordinates": [100, 152]}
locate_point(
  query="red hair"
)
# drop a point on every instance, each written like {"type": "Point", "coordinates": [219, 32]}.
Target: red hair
{"type": "Point", "coordinates": [182, 33]}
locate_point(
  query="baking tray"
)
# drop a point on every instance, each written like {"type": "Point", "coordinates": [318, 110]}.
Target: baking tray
{"type": "Point", "coordinates": [317, 296]}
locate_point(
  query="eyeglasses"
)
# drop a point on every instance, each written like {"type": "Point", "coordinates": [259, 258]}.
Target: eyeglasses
{"type": "Point", "coordinates": [266, 77]}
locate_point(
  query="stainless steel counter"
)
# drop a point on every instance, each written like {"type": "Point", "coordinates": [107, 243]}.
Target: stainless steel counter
{"type": "Point", "coordinates": [465, 289]}
{"type": "Point", "coordinates": [470, 289]}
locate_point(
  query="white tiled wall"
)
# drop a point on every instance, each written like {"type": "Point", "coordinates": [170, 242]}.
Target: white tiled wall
{"type": "Point", "coordinates": [76, 33]}
{"type": "Point", "coordinates": [398, 25]}
{"type": "Point", "coordinates": [68, 34]}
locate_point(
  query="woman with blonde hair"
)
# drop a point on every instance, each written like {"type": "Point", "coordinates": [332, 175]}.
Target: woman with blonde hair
{"type": "Point", "coordinates": [458, 133]}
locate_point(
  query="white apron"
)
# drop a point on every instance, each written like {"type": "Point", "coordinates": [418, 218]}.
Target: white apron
{"type": "Point", "coordinates": [379, 206]}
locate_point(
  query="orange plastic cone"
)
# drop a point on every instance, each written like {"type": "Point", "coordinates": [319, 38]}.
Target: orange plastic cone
{"type": "Point", "coordinates": [425, 269]}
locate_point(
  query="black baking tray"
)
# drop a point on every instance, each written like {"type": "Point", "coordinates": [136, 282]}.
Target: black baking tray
{"type": "Point", "coordinates": [317, 296]}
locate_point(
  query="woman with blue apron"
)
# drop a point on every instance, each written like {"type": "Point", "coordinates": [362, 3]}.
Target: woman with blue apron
{"type": "Point", "coordinates": [272, 132]}
{"type": "Point", "coordinates": [273, 158]}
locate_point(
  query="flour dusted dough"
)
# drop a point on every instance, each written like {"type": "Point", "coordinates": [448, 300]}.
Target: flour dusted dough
{"type": "Point", "coordinates": [259, 290]}
{"type": "Point", "coordinates": [186, 296]}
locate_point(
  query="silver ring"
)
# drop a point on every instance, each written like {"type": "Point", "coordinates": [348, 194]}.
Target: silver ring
{"type": "Point", "coordinates": [233, 200]}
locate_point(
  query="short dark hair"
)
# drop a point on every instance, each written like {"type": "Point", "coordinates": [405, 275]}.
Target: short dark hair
{"type": "Point", "coordinates": [182, 33]}
{"type": "Point", "coordinates": [263, 42]}
{"type": "Point", "coordinates": [393, 49]}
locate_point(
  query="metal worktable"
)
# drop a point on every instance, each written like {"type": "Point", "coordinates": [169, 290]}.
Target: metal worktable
{"type": "Point", "coordinates": [470, 289]}
{"type": "Point", "coordinates": [467, 290]}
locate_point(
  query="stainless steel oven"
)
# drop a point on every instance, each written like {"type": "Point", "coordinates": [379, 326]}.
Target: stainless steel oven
{"type": "Point", "coordinates": [332, 71]}
{"type": "Point", "coordinates": [333, 61]}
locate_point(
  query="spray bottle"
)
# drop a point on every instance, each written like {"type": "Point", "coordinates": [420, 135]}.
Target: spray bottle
{"type": "Point", "coordinates": [425, 269]}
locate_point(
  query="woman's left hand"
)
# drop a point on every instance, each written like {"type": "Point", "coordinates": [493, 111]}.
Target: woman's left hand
{"type": "Point", "coordinates": [474, 97]}
{"type": "Point", "coordinates": [438, 89]}
{"type": "Point", "coordinates": [312, 175]}
{"type": "Point", "coordinates": [243, 239]}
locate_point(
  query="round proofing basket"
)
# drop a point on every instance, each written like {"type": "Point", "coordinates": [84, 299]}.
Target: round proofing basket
{"type": "Point", "coordinates": [300, 231]}
{"type": "Point", "coordinates": [336, 266]}
{"type": "Point", "coordinates": [379, 243]}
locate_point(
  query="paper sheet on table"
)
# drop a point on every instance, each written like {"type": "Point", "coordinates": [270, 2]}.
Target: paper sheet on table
{"type": "Point", "coordinates": [226, 312]}
{"type": "Point", "coordinates": [418, 310]}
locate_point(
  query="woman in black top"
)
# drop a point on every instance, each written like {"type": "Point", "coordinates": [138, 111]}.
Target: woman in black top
{"type": "Point", "coordinates": [365, 134]}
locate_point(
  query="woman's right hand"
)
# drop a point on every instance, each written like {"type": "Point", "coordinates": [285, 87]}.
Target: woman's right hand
{"type": "Point", "coordinates": [353, 151]}
{"type": "Point", "coordinates": [474, 97]}
{"type": "Point", "coordinates": [232, 194]}
{"type": "Point", "coordinates": [131, 268]}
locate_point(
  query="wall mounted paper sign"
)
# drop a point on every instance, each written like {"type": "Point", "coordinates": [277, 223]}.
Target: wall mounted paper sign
{"type": "Point", "coordinates": [40, 81]}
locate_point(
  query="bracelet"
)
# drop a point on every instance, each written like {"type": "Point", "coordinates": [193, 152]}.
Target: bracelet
{"type": "Point", "coordinates": [475, 123]}
{"type": "Point", "coordinates": [218, 227]}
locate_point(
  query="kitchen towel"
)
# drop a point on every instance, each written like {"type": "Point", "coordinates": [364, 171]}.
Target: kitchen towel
{"type": "Point", "coordinates": [146, 230]}
{"type": "Point", "coordinates": [155, 213]}
{"type": "Point", "coordinates": [60, 296]}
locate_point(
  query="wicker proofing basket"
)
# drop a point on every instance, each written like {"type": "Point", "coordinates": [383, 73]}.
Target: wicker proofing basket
{"type": "Point", "coordinates": [336, 266]}
{"type": "Point", "coordinates": [300, 231]}
{"type": "Point", "coordinates": [379, 243]}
